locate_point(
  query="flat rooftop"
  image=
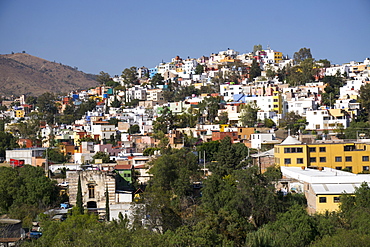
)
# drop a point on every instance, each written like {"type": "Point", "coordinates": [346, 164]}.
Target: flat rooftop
{"type": "Point", "coordinates": [327, 175]}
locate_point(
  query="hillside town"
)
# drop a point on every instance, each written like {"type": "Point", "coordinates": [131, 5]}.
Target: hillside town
{"type": "Point", "coordinates": [306, 117]}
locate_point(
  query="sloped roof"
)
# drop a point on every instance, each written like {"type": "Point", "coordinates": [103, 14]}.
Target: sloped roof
{"type": "Point", "coordinates": [290, 140]}
{"type": "Point", "coordinates": [264, 154]}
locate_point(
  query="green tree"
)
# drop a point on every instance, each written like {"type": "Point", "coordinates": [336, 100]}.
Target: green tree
{"type": "Point", "coordinates": [31, 100]}
{"type": "Point", "coordinates": [157, 79]}
{"type": "Point", "coordinates": [356, 128]}
{"type": "Point", "coordinates": [107, 210]}
{"type": "Point", "coordinates": [302, 54]}
{"type": "Point", "coordinates": [134, 129]}
{"type": "Point", "coordinates": [293, 122]}
{"type": "Point", "coordinates": [27, 185]}
{"type": "Point", "coordinates": [129, 77]}
{"type": "Point", "coordinates": [102, 155]}
{"type": "Point", "coordinates": [248, 115]}
{"type": "Point", "coordinates": [332, 92]}
{"type": "Point", "coordinates": [103, 77]}
{"type": "Point", "coordinates": [209, 107]}
{"type": "Point", "coordinates": [164, 122]}
{"type": "Point", "coordinates": [115, 102]}
{"type": "Point", "coordinates": [199, 69]}
{"type": "Point", "coordinates": [170, 188]}
{"type": "Point", "coordinates": [112, 84]}
{"type": "Point", "coordinates": [292, 228]}
{"type": "Point", "coordinates": [269, 123]}
{"type": "Point", "coordinates": [7, 142]}
{"type": "Point", "coordinates": [229, 157]}
{"type": "Point", "coordinates": [255, 70]}
{"type": "Point", "coordinates": [46, 105]}
{"type": "Point", "coordinates": [56, 156]}
{"type": "Point", "coordinates": [223, 118]}
{"type": "Point", "coordinates": [325, 63]}
{"type": "Point", "coordinates": [270, 73]}
{"type": "Point", "coordinates": [79, 202]}
{"type": "Point", "coordinates": [257, 48]}
{"type": "Point", "coordinates": [364, 99]}
{"type": "Point", "coordinates": [209, 150]}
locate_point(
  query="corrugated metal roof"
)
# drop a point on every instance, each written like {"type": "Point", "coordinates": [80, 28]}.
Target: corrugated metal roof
{"type": "Point", "coordinates": [334, 189]}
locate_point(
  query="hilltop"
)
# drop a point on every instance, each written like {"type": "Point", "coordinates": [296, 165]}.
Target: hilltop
{"type": "Point", "coordinates": [21, 73]}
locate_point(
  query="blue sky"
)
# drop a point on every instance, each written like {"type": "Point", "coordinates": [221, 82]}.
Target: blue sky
{"type": "Point", "coordinates": [112, 35]}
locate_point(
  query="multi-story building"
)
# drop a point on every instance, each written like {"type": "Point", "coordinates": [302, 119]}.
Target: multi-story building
{"type": "Point", "coordinates": [352, 156]}
{"type": "Point", "coordinates": [102, 130]}
{"type": "Point", "coordinates": [155, 95]}
{"type": "Point", "coordinates": [327, 119]}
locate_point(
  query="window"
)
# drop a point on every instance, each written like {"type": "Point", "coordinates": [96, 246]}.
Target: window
{"type": "Point", "coordinates": [91, 189]}
{"type": "Point", "coordinates": [338, 159]}
{"type": "Point", "coordinates": [287, 161]}
{"type": "Point", "coordinates": [365, 168]}
{"type": "Point", "coordinates": [127, 175]}
{"type": "Point", "coordinates": [299, 160]}
{"type": "Point", "coordinates": [349, 148]}
{"type": "Point", "coordinates": [322, 199]}
{"type": "Point", "coordinates": [322, 159]}
{"type": "Point", "coordinates": [348, 158]}
{"type": "Point", "coordinates": [313, 159]}
{"type": "Point", "coordinates": [293, 150]}
{"type": "Point", "coordinates": [338, 168]}
{"type": "Point", "coordinates": [312, 150]}
{"type": "Point", "coordinates": [365, 158]}
{"type": "Point", "coordinates": [349, 168]}
{"type": "Point", "coordinates": [336, 199]}
{"type": "Point", "coordinates": [322, 149]}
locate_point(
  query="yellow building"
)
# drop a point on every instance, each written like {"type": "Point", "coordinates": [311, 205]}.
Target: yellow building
{"type": "Point", "coordinates": [351, 156]}
{"type": "Point", "coordinates": [322, 188]}
{"type": "Point", "coordinates": [277, 106]}
{"type": "Point", "coordinates": [19, 113]}
{"type": "Point", "coordinates": [278, 56]}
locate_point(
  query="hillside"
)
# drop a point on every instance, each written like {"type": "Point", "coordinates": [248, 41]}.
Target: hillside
{"type": "Point", "coordinates": [22, 73]}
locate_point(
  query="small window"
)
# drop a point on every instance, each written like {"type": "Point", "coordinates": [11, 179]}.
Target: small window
{"type": "Point", "coordinates": [91, 191]}
{"type": "Point", "coordinates": [336, 199]}
{"type": "Point", "coordinates": [322, 199]}
{"type": "Point", "coordinates": [313, 159]}
{"type": "Point", "coordinates": [322, 159]}
{"type": "Point", "coordinates": [365, 158]}
{"type": "Point", "coordinates": [338, 168]}
{"type": "Point", "coordinates": [348, 158]}
{"type": "Point", "coordinates": [349, 168]}
{"type": "Point", "coordinates": [312, 150]}
{"type": "Point", "coordinates": [365, 168]}
{"type": "Point", "coordinates": [286, 150]}
{"type": "Point", "coordinates": [299, 150]}
{"type": "Point", "coordinates": [287, 161]}
{"type": "Point", "coordinates": [299, 160]}
{"type": "Point", "coordinates": [322, 149]}
{"type": "Point", "coordinates": [338, 159]}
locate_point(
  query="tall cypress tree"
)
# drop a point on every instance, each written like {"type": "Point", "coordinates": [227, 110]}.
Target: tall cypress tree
{"type": "Point", "coordinates": [79, 203]}
{"type": "Point", "coordinates": [107, 216]}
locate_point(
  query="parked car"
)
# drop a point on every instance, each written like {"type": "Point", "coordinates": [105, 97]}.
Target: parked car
{"type": "Point", "coordinates": [63, 184]}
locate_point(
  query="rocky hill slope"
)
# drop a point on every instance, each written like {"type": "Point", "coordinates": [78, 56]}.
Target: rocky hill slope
{"type": "Point", "coordinates": [22, 73]}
